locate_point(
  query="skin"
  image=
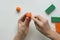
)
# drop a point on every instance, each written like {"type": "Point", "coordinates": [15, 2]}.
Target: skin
{"type": "Point", "coordinates": [41, 25]}
{"type": "Point", "coordinates": [23, 28]}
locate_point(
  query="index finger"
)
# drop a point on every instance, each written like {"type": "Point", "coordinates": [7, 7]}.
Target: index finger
{"type": "Point", "coordinates": [22, 18]}
{"type": "Point", "coordinates": [37, 21]}
{"type": "Point", "coordinates": [40, 18]}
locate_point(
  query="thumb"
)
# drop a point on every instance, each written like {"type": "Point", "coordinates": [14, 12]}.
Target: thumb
{"type": "Point", "coordinates": [27, 21]}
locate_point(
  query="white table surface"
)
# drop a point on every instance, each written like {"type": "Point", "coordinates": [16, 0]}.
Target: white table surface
{"type": "Point", "coordinates": [9, 17]}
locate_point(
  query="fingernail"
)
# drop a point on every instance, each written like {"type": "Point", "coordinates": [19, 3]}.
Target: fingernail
{"type": "Point", "coordinates": [27, 18]}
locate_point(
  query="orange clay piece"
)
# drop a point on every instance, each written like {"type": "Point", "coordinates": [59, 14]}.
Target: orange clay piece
{"type": "Point", "coordinates": [28, 14]}
{"type": "Point", "coordinates": [18, 9]}
{"type": "Point", "coordinates": [57, 27]}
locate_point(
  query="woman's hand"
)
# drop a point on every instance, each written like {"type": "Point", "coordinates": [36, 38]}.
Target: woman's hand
{"type": "Point", "coordinates": [23, 28]}
{"type": "Point", "coordinates": [42, 24]}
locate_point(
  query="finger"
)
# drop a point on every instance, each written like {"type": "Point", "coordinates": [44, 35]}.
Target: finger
{"type": "Point", "coordinates": [37, 21]}
{"type": "Point", "coordinates": [27, 21]}
{"type": "Point", "coordinates": [36, 24]}
{"type": "Point", "coordinates": [22, 18]}
{"type": "Point", "coordinates": [37, 27]}
{"type": "Point", "coordinates": [37, 18]}
{"type": "Point", "coordinates": [40, 17]}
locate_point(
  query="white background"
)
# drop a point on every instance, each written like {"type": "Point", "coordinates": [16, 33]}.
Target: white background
{"type": "Point", "coordinates": [9, 17]}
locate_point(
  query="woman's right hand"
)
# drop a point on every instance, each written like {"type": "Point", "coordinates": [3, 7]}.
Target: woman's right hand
{"type": "Point", "coordinates": [42, 24]}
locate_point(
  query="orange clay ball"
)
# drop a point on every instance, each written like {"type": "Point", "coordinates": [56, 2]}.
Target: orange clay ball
{"type": "Point", "coordinates": [28, 14]}
{"type": "Point", "coordinates": [18, 9]}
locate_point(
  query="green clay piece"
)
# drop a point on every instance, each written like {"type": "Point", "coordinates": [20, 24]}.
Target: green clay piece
{"type": "Point", "coordinates": [55, 19]}
{"type": "Point", "coordinates": [50, 9]}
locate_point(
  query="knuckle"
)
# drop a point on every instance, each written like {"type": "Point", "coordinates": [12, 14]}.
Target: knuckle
{"type": "Point", "coordinates": [42, 24]}
{"type": "Point", "coordinates": [45, 21]}
{"type": "Point", "coordinates": [38, 15]}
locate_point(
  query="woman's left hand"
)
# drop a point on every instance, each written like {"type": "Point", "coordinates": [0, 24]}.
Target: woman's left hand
{"type": "Point", "coordinates": [23, 28]}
